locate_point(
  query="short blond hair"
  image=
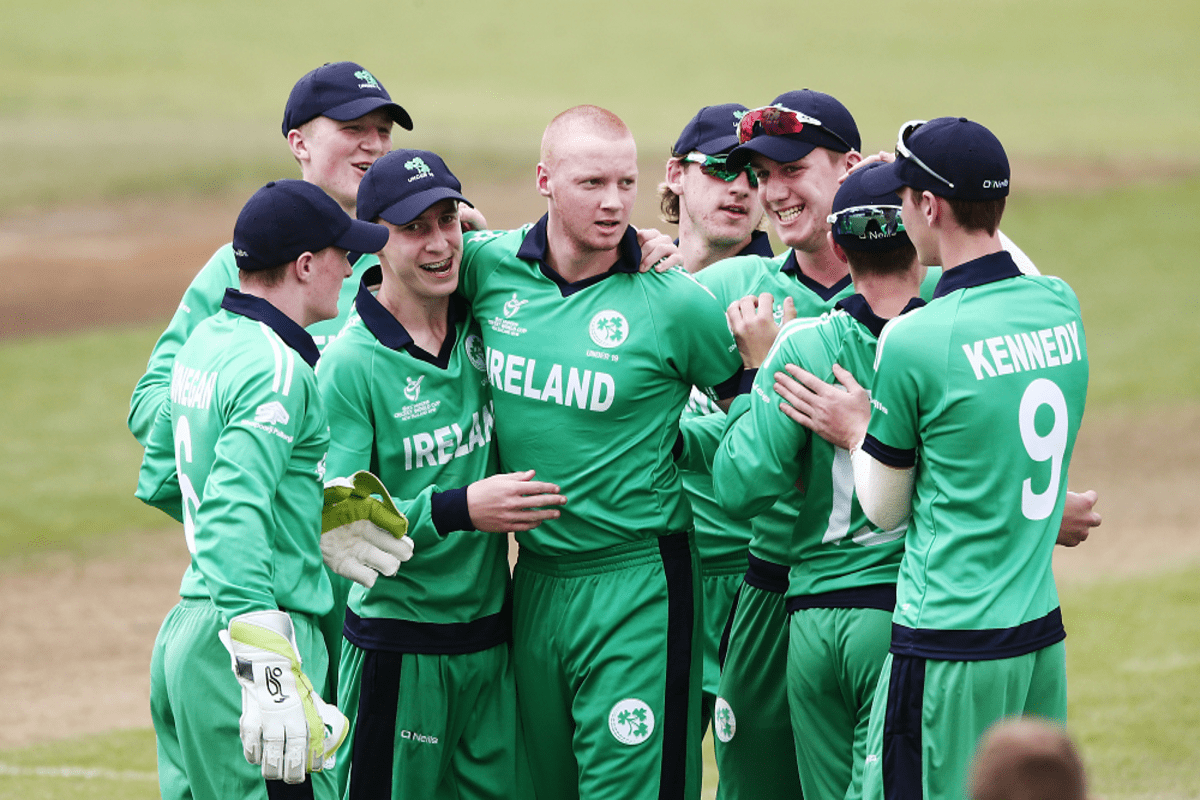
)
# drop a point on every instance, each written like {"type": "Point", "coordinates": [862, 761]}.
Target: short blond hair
{"type": "Point", "coordinates": [593, 120]}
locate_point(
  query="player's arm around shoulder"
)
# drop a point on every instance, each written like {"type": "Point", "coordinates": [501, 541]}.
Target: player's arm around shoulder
{"type": "Point", "coordinates": [732, 278]}
{"type": "Point", "coordinates": [758, 458]}
{"type": "Point", "coordinates": [200, 301]}
{"type": "Point", "coordinates": [483, 253]}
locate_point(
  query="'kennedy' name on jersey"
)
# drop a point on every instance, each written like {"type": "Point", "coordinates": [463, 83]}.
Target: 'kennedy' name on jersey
{"type": "Point", "coordinates": [192, 388]}
{"type": "Point", "coordinates": [446, 442]}
{"type": "Point", "coordinates": [1024, 351]}
{"type": "Point", "coordinates": [513, 374]}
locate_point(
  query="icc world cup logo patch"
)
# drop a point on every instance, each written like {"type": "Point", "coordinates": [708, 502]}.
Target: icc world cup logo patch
{"type": "Point", "coordinates": [609, 328]}
{"type": "Point", "coordinates": [631, 721]}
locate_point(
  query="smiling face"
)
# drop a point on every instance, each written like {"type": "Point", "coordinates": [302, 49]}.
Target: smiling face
{"type": "Point", "coordinates": [590, 183]}
{"type": "Point", "coordinates": [334, 155]}
{"type": "Point", "coordinates": [721, 213]}
{"type": "Point", "coordinates": [421, 259]}
{"type": "Point", "coordinates": [798, 195]}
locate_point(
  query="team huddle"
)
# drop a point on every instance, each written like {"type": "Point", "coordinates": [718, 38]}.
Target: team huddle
{"type": "Point", "coordinates": [807, 499]}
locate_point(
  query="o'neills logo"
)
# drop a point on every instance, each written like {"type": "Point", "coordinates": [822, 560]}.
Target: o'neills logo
{"type": "Point", "coordinates": [996, 184]}
{"type": "Point", "coordinates": [419, 738]}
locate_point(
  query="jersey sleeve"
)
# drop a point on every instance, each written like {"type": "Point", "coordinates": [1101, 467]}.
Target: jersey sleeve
{"type": "Point", "coordinates": [697, 342]}
{"type": "Point", "coordinates": [699, 434]}
{"type": "Point", "coordinates": [757, 460]}
{"type": "Point", "coordinates": [892, 432]}
{"type": "Point", "coordinates": [200, 301]}
{"type": "Point", "coordinates": [234, 527]}
{"type": "Point", "coordinates": [344, 377]}
{"type": "Point", "coordinates": [475, 261]}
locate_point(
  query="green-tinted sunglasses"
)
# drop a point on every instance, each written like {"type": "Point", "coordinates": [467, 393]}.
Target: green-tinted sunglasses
{"type": "Point", "coordinates": [716, 167]}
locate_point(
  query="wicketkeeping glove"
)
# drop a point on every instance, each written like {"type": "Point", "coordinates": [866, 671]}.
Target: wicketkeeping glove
{"type": "Point", "coordinates": [285, 726]}
{"type": "Point", "coordinates": [362, 537]}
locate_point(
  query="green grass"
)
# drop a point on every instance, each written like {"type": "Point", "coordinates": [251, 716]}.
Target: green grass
{"type": "Point", "coordinates": [1128, 255]}
{"type": "Point", "coordinates": [1133, 656]}
{"type": "Point", "coordinates": [68, 465]}
{"type": "Point", "coordinates": [119, 765]}
{"type": "Point", "coordinates": [1133, 652]}
{"type": "Point", "coordinates": [105, 99]}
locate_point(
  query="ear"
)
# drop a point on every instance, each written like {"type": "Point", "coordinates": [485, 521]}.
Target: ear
{"type": "Point", "coordinates": [302, 267]}
{"type": "Point", "coordinates": [298, 145]}
{"type": "Point", "coordinates": [930, 206]}
{"type": "Point", "coordinates": [675, 167]}
{"type": "Point", "coordinates": [851, 159]}
{"type": "Point", "coordinates": [837, 248]}
{"type": "Point", "coordinates": [543, 180]}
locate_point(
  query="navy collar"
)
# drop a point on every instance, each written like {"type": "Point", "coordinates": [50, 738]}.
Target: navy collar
{"type": "Point", "coordinates": [857, 306]}
{"type": "Point", "coordinates": [391, 334]}
{"type": "Point", "coordinates": [977, 272]}
{"type": "Point", "coordinates": [258, 309]}
{"type": "Point", "coordinates": [535, 247]}
{"type": "Point", "coordinates": [792, 267]}
{"type": "Point", "coordinates": [759, 245]}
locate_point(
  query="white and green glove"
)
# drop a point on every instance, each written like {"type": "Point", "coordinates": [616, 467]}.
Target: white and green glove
{"type": "Point", "coordinates": [285, 726]}
{"type": "Point", "coordinates": [362, 537]}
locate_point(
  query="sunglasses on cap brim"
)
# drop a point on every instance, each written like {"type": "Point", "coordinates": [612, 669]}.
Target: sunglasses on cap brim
{"type": "Point", "coordinates": [867, 222]}
{"type": "Point", "coordinates": [902, 150]}
{"type": "Point", "coordinates": [779, 121]}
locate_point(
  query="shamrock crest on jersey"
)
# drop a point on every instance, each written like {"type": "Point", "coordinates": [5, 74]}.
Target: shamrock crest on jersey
{"type": "Point", "coordinates": [512, 306]}
{"type": "Point", "coordinates": [476, 353]}
{"type": "Point", "coordinates": [609, 328]}
{"type": "Point", "coordinates": [724, 723]}
{"type": "Point", "coordinates": [413, 390]}
{"type": "Point", "coordinates": [631, 721]}
{"type": "Point", "coordinates": [417, 163]}
{"type": "Point", "coordinates": [368, 80]}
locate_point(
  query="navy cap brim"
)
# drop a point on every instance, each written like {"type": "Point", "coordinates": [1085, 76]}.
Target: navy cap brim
{"type": "Point", "coordinates": [365, 105]}
{"type": "Point", "coordinates": [884, 179]}
{"type": "Point", "coordinates": [413, 206]}
{"type": "Point", "coordinates": [363, 237]}
{"type": "Point", "coordinates": [783, 149]}
{"type": "Point", "coordinates": [717, 146]}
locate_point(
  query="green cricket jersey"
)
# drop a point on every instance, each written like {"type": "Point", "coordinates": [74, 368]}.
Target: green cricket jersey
{"type": "Point", "coordinates": [148, 408]}
{"type": "Point", "coordinates": [832, 547]}
{"type": "Point", "coordinates": [250, 439]}
{"type": "Point", "coordinates": [423, 423]}
{"type": "Point", "coordinates": [589, 379]}
{"type": "Point", "coordinates": [717, 536]}
{"type": "Point", "coordinates": [983, 390]}
{"type": "Point", "coordinates": [734, 278]}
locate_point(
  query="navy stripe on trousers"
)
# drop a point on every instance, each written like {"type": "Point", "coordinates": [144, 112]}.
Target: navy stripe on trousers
{"type": "Point", "coordinates": [902, 729]}
{"type": "Point", "coordinates": [681, 616]}
{"type": "Point", "coordinates": [375, 726]}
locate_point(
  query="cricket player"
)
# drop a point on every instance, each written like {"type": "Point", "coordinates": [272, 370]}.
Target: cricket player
{"type": "Point", "coordinates": [590, 365]}
{"type": "Point", "coordinates": [842, 578]}
{"type": "Point", "coordinates": [426, 675]}
{"type": "Point", "coordinates": [337, 121]}
{"type": "Point", "coordinates": [250, 440]}
{"type": "Point", "coordinates": [798, 148]}
{"type": "Point", "coordinates": [977, 401]}
{"type": "Point", "coordinates": [718, 214]}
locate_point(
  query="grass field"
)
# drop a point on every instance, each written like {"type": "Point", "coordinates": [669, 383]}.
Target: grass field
{"type": "Point", "coordinates": [1097, 103]}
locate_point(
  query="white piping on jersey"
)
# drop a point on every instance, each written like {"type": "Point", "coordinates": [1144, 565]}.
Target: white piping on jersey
{"type": "Point", "coordinates": [282, 351]}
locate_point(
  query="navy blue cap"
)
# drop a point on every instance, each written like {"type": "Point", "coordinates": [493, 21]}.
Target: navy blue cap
{"type": "Point", "coordinates": [713, 130]}
{"type": "Point", "coordinates": [837, 132]}
{"type": "Point", "coordinates": [853, 193]}
{"type": "Point", "coordinates": [286, 218]}
{"type": "Point", "coordinates": [401, 185]}
{"type": "Point", "coordinates": [341, 91]}
{"type": "Point", "coordinates": [962, 152]}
